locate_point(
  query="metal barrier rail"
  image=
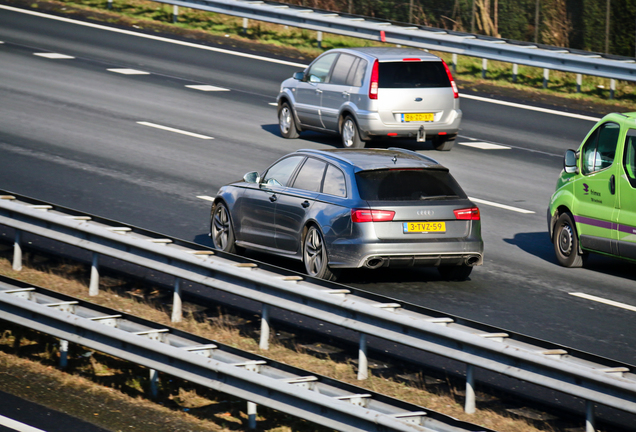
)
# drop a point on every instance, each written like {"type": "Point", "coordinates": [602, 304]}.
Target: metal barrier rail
{"type": "Point", "coordinates": [509, 51]}
{"type": "Point", "coordinates": [256, 379]}
{"type": "Point", "coordinates": [586, 376]}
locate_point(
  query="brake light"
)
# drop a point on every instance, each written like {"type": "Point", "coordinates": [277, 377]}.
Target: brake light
{"type": "Point", "coordinates": [373, 86]}
{"type": "Point", "coordinates": [411, 59]}
{"type": "Point", "coordinates": [467, 213]}
{"type": "Point", "coordinates": [368, 215]}
{"type": "Point", "coordinates": [452, 81]}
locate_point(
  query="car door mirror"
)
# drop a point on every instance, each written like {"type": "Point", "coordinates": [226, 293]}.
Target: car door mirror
{"type": "Point", "coordinates": [300, 76]}
{"type": "Point", "coordinates": [251, 177]}
{"type": "Point", "coordinates": [569, 162]}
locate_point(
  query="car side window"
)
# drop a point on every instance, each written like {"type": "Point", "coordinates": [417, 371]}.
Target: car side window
{"type": "Point", "coordinates": [319, 71]}
{"type": "Point", "coordinates": [310, 175]}
{"type": "Point", "coordinates": [280, 173]}
{"type": "Point", "coordinates": [356, 74]}
{"type": "Point", "coordinates": [629, 157]}
{"type": "Point", "coordinates": [600, 148]}
{"type": "Point", "coordinates": [341, 69]}
{"type": "Point", "coordinates": [334, 183]}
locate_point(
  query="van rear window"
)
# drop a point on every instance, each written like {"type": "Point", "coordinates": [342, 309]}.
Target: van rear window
{"type": "Point", "coordinates": [407, 185]}
{"type": "Point", "coordinates": [412, 74]}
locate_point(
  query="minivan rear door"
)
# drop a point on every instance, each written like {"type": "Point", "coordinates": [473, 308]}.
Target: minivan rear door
{"type": "Point", "coordinates": [346, 77]}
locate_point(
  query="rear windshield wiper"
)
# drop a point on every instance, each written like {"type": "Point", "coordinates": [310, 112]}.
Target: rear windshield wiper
{"type": "Point", "coordinates": [438, 197]}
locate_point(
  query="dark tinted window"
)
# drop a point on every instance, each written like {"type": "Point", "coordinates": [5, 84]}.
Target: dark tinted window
{"type": "Point", "coordinates": [407, 185]}
{"type": "Point", "coordinates": [629, 158]}
{"type": "Point", "coordinates": [279, 173]}
{"type": "Point", "coordinates": [341, 69]}
{"type": "Point", "coordinates": [412, 74]}
{"type": "Point", "coordinates": [310, 175]}
{"type": "Point", "coordinates": [334, 182]}
{"type": "Point", "coordinates": [356, 75]}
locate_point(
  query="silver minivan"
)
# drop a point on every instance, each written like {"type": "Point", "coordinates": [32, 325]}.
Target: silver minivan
{"type": "Point", "coordinates": [367, 93]}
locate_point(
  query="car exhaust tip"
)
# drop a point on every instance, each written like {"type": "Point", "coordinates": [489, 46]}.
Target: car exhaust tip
{"type": "Point", "coordinates": [374, 263]}
{"type": "Point", "coordinates": [473, 260]}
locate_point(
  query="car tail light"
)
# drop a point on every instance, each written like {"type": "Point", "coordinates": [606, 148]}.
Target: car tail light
{"type": "Point", "coordinates": [373, 86]}
{"type": "Point", "coordinates": [452, 81]}
{"type": "Point", "coordinates": [411, 59]}
{"type": "Point", "coordinates": [467, 213]}
{"type": "Point", "coordinates": [368, 215]}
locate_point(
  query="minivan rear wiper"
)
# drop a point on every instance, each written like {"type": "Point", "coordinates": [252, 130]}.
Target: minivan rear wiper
{"type": "Point", "coordinates": [438, 197]}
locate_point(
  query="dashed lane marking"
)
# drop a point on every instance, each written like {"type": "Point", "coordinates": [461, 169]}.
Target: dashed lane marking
{"type": "Point", "coordinates": [207, 88]}
{"type": "Point", "coordinates": [604, 301]}
{"type": "Point", "coordinates": [206, 197]}
{"type": "Point", "coordinates": [125, 71]}
{"type": "Point", "coordinates": [502, 206]}
{"type": "Point", "coordinates": [17, 426]}
{"type": "Point", "coordinates": [169, 129]}
{"type": "Point", "coordinates": [484, 145]}
{"type": "Point", "coordinates": [273, 104]}
{"type": "Point", "coordinates": [55, 56]}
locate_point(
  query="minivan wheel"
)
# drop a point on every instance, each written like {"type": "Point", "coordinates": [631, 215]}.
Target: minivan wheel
{"type": "Point", "coordinates": [566, 243]}
{"type": "Point", "coordinates": [350, 134]}
{"type": "Point", "coordinates": [286, 122]}
{"type": "Point", "coordinates": [455, 273]}
{"type": "Point", "coordinates": [442, 143]}
{"type": "Point", "coordinates": [221, 230]}
{"type": "Point", "coordinates": [315, 255]}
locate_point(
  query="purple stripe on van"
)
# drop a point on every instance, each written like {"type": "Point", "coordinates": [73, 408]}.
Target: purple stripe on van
{"type": "Point", "coordinates": [605, 224]}
{"type": "Point", "coordinates": [627, 229]}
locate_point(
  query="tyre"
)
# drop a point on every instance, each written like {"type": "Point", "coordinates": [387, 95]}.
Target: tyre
{"type": "Point", "coordinates": [350, 134]}
{"type": "Point", "coordinates": [315, 255]}
{"type": "Point", "coordinates": [442, 143]}
{"type": "Point", "coordinates": [566, 242]}
{"type": "Point", "coordinates": [286, 122]}
{"type": "Point", "coordinates": [221, 229]}
{"type": "Point", "coordinates": [455, 273]}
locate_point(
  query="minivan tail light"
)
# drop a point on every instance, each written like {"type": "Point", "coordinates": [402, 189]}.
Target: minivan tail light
{"type": "Point", "coordinates": [368, 215]}
{"type": "Point", "coordinates": [411, 59]}
{"type": "Point", "coordinates": [467, 213]}
{"type": "Point", "coordinates": [452, 81]}
{"type": "Point", "coordinates": [373, 86]}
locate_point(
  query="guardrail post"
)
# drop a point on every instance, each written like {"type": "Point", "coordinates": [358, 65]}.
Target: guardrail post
{"type": "Point", "coordinates": [579, 82]}
{"type": "Point", "coordinates": [93, 286]}
{"type": "Point", "coordinates": [454, 63]}
{"type": "Point", "coordinates": [484, 68]}
{"type": "Point", "coordinates": [264, 342]}
{"type": "Point", "coordinates": [363, 362]}
{"type": "Point", "coordinates": [612, 88]}
{"type": "Point", "coordinates": [251, 415]}
{"type": "Point", "coordinates": [319, 38]}
{"type": "Point", "coordinates": [154, 378]}
{"type": "Point", "coordinates": [63, 353]}
{"type": "Point", "coordinates": [110, 4]}
{"type": "Point", "coordinates": [546, 77]}
{"type": "Point", "coordinates": [589, 416]}
{"type": "Point", "coordinates": [175, 13]}
{"type": "Point", "coordinates": [245, 24]}
{"type": "Point", "coordinates": [515, 72]}
{"type": "Point", "coordinates": [177, 314]}
{"type": "Point", "coordinates": [17, 251]}
{"type": "Point", "coordinates": [469, 406]}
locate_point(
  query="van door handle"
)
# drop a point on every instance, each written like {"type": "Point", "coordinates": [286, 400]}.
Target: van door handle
{"type": "Point", "coordinates": [305, 204]}
{"type": "Point", "coordinates": [273, 198]}
{"type": "Point", "coordinates": [612, 184]}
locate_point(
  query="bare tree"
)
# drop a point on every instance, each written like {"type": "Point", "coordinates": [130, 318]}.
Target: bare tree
{"type": "Point", "coordinates": [556, 24]}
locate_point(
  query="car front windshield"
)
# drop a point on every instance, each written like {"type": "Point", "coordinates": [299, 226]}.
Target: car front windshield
{"type": "Point", "coordinates": [407, 185]}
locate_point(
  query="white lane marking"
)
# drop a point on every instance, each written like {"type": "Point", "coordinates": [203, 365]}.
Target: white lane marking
{"type": "Point", "coordinates": [179, 131]}
{"type": "Point", "coordinates": [605, 301]}
{"type": "Point", "coordinates": [126, 71]}
{"type": "Point", "coordinates": [54, 56]}
{"type": "Point", "coordinates": [207, 88]}
{"type": "Point", "coordinates": [17, 426]}
{"type": "Point", "coordinates": [206, 198]}
{"type": "Point", "coordinates": [273, 104]}
{"type": "Point", "coordinates": [147, 36]}
{"type": "Point", "coordinates": [502, 206]}
{"type": "Point", "coordinates": [531, 108]}
{"type": "Point", "coordinates": [484, 145]}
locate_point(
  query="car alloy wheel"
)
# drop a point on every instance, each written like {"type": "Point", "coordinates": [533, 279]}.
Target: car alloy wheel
{"type": "Point", "coordinates": [315, 255]}
{"type": "Point", "coordinates": [221, 229]}
{"type": "Point", "coordinates": [286, 122]}
{"type": "Point", "coordinates": [350, 134]}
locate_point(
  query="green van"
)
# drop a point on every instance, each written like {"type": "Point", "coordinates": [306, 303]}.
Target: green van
{"type": "Point", "coordinates": [594, 206]}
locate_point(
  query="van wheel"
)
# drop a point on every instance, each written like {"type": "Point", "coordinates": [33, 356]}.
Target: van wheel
{"type": "Point", "coordinates": [442, 143]}
{"type": "Point", "coordinates": [350, 134]}
{"type": "Point", "coordinates": [286, 122]}
{"type": "Point", "coordinates": [315, 255]}
{"type": "Point", "coordinates": [455, 273]}
{"type": "Point", "coordinates": [566, 243]}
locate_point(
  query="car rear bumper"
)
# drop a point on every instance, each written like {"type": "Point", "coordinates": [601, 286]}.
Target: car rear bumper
{"type": "Point", "coordinates": [371, 125]}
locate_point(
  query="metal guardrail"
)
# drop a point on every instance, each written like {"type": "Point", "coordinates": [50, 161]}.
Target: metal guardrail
{"type": "Point", "coordinates": [256, 379]}
{"type": "Point", "coordinates": [505, 50]}
{"type": "Point", "coordinates": [586, 376]}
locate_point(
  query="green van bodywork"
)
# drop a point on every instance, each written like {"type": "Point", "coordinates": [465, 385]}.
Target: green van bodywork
{"type": "Point", "coordinates": [594, 206]}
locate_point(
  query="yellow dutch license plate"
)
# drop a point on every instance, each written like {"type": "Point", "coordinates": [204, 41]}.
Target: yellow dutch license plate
{"type": "Point", "coordinates": [424, 227]}
{"type": "Point", "coordinates": [411, 117]}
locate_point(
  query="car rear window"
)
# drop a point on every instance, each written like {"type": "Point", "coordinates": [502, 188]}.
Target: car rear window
{"type": "Point", "coordinates": [412, 74]}
{"type": "Point", "coordinates": [407, 185]}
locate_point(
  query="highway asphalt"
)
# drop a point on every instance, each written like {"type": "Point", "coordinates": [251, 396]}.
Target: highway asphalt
{"type": "Point", "coordinates": [85, 131]}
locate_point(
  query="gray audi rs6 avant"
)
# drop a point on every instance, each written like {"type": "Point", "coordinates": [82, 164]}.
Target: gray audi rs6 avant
{"type": "Point", "coordinates": [351, 208]}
